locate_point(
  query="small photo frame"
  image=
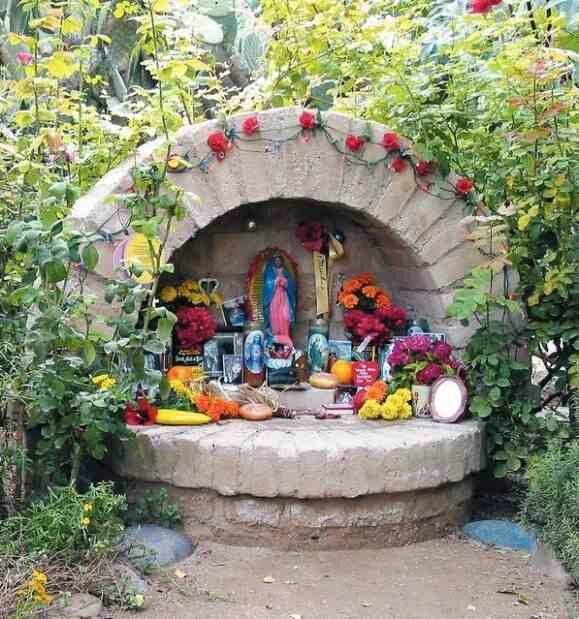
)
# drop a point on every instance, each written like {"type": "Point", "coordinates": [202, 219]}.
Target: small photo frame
{"type": "Point", "coordinates": [212, 363]}
{"type": "Point", "coordinates": [436, 337]}
{"type": "Point", "coordinates": [341, 349]}
{"type": "Point", "coordinates": [344, 394]}
{"type": "Point", "coordinates": [234, 311]}
{"type": "Point", "coordinates": [232, 369]}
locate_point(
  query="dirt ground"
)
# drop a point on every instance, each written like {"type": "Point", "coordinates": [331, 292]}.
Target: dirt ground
{"type": "Point", "coordinates": [449, 578]}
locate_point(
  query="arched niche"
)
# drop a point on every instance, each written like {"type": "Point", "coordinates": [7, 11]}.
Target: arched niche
{"type": "Point", "coordinates": [412, 240]}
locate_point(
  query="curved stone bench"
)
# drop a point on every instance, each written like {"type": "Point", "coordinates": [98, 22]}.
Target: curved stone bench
{"type": "Point", "coordinates": [311, 483]}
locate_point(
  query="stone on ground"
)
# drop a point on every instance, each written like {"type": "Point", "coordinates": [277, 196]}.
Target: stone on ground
{"type": "Point", "coordinates": [149, 545]}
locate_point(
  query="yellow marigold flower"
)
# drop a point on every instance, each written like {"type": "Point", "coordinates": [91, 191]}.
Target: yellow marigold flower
{"type": "Point", "coordinates": [87, 507]}
{"type": "Point", "coordinates": [168, 294]}
{"type": "Point", "coordinates": [40, 577]}
{"type": "Point", "coordinates": [404, 394]}
{"type": "Point", "coordinates": [85, 521]}
{"type": "Point", "coordinates": [370, 410]}
{"type": "Point", "coordinates": [405, 411]}
{"type": "Point", "coordinates": [389, 410]}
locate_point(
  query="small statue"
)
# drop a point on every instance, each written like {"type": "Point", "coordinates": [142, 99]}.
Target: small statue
{"type": "Point", "coordinates": [272, 292]}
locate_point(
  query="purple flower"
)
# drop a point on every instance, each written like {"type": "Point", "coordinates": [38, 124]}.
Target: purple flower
{"type": "Point", "coordinates": [442, 351]}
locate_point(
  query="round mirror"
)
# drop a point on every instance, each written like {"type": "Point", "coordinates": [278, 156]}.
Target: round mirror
{"type": "Point", "coordinates": [448, 399]}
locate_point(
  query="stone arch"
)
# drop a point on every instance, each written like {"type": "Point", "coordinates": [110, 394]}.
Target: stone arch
{"type": "Point", "coordinates": [421, 236]}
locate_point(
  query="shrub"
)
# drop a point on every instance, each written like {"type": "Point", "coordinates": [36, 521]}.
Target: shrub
{"type": "Point", "coordinates": [66, 522]}
{"type": "Point", "coordinates": [552, 503]}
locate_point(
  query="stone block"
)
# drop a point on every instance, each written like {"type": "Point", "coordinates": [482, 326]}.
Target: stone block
{"type": "Point", "coordinates": [311, 399]}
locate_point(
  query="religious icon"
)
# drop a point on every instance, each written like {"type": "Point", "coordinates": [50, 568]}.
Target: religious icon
{"type": "Point", "coordinates": [232, 369]}
{"type": "Point", "coordinates": [253, 351]}
{"type": "Point", "coordinates": [272, 292]}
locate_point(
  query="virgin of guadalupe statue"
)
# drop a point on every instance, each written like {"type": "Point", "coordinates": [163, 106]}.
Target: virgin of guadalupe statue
{"type": "Point", "coordinates": [272, 292]}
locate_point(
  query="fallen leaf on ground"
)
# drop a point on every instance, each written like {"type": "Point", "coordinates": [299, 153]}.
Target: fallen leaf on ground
{"type": "Point", "coordinates": [180, 573]}
{"type": "Point", "coordinates": [366, 604]}
{"type": "Point", "coordinates": [268, 580]}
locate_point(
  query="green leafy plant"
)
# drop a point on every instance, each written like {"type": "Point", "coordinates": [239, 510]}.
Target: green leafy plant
{"type": "Point", "coordinates": [552, 503]}
{"type": "Point", "coordinates": [154, 507]}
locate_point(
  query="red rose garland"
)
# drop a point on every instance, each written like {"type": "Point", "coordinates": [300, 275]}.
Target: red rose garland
{"type": "Point", "coordinates": [398, 164]}
{"type": "Point", "coordinates": [250, 125]}
{"type": "Point", "coordinates": [195, 326]}
{"type": "Point", "coordinates": [219, 143]}
{"type": "Point", "coordinates": [464, 186]}
{"type": "Point", "coordinates": [307, 120]}
{"type": "Point", "coordinates": [391, 141]}
{"type": "Point", "coordinates": [354, 142]}
{"type": "Point", "coordinates": [424, 168]}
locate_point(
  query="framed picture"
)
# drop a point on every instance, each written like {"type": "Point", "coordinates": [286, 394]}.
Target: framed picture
{"type": "Point", "coordinates": [211, 359]}
{"type": "Point", "coordinates": [341, 349]}
{"type": "Point", "coordinates": [436, 337]}
{"type": "Point", "coordinates": [233, 369]}
{"type": "Point", "coordinates": [345, 394]}
{"type": "Point", "coordinates": [219, 345]}
{"type": "Point", "coordinates": [234, 311]}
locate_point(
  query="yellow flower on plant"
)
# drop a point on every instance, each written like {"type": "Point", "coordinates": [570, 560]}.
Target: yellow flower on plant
{"type": "Point", "coordinates": [370, 410]}
{"type": "Point", "coordinates": [87, 507]}
{"type": "Point", "coordinates": [168, 294]}
{"type": "Point", "coordinates": [35, 587]}
{"type": "Point", "coordinates": [104, 381]}
{"type": "Point", "coordinates": [85, 521]}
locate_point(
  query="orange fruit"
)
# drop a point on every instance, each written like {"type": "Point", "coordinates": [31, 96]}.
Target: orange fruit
{"type": "Point", "coordinates": [342, 370]}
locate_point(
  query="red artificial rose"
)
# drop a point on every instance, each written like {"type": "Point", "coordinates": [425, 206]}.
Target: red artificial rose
{"type": "Point", "coordinates": [218, 142]}
{"type": "Point", "coordinates": [250, 125]}
{"type": "Point", "coordinates": [359, 399]}
{"type": "Point", "coordinates": [354, 142]}
{"type": "Point", "coordinates": [140, 413]}
{"type": "Point", "coordinates": [483, 6]}
{"type": "Point", "coordinates": [464, 186]}
{"type": "Point", "coordinates": [307, 120]}
{"type": "Point", "coordinates": [391, 141]}
{"type": "Point", "coordinates": [312, 236]}
{"type": "Point", "coordinates": [398, 164]}
{"type": "Point", "coordinates": [424, 168]}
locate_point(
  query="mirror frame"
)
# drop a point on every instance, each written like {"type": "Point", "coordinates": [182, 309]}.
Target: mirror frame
{"type": "Point", "coordinates": [463, 394]}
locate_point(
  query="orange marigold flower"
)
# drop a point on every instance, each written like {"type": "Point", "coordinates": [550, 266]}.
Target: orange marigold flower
{"type": "Point", "coordinates": [366, 278]}
{"type": "Point", "coordinates": [351, 285]}
{"type": "Point", "coordinates": [202, 402]}
{"type": "Point", "coordinates": [215, 410]}
{"type": "Point", "coordinates": [370, 291]}
{"type": "Point", "coordinates": [383, 300]}
{"type": "Point", "coordinates": [377, 391]}
{"type": "Point", "coordinates": [349, 301]}
{"type": "Point", "coordinates": [231, 408]}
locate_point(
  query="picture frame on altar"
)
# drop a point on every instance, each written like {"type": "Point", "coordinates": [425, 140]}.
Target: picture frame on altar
{"type": "Point", "coordinates": [341, 349]}
{"type": "Point", "coordinates": [234, 311]}
{"type": "Point", "coordinates": [214, 350]}
{"type": "Point", "coordinates": [436, 337]}
{"type": "Point", "coordinates": [232, 369]}
{"type": "Point", "coordinates": [345, 394]}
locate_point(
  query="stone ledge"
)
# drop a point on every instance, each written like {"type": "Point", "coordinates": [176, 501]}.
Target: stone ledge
{"type": "Point", "coordinates": [305, 458]}
{"type": "Point", "coordinates": [374, 521]}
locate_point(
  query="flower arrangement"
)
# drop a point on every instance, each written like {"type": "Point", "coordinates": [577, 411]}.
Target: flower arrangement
{"type": "Point", "coordinates": [379, 404]}
{"type": "Point", "coordinates": [419, 360]}
{"type": "Point", "coordinates": [189, 291]}
{"type": "Point", "coordinates": [369, 311]}
{"type": "Point", "coordinates": [195, 326]}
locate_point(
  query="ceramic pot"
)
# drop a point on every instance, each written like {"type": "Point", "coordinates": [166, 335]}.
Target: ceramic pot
{"type": "Point", "coordinates": [421, 400]}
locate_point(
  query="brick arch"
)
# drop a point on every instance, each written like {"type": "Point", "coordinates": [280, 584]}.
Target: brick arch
{"type": "Point", "coordinates": [421, 236]}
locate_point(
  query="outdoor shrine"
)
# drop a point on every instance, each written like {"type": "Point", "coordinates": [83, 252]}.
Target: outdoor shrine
{"type": "Point", "coordinates": [310, 284]}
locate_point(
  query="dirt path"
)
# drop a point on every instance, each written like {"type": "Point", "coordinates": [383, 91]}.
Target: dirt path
{"type": "Point", "coordinates": [442, 579]}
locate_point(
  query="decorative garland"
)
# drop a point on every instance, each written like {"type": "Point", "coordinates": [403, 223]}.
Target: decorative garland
{"type": "Point", "coordinates": [351, 146]}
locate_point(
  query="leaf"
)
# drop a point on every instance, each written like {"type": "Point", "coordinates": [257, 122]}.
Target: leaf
{"type": "Point", "coordinates": [71, 25]}
{"type": "Point", "coordinates": [88, 352]}
{"type": "Point", "coordinates": [55, 271]}
{"type": "Point", "coordinates": [165, 329]}
{"type": "Point", "coordinates": [90, 257]}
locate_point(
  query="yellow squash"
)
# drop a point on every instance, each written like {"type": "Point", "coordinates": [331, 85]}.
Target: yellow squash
{"type": "Point", "coordinates": [175, 417]}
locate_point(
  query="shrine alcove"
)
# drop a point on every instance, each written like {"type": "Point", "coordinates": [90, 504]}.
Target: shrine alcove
{"type": "Point", "coordinates": [411, 239]}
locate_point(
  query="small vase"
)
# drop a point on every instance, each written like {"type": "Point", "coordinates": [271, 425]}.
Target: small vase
{"type": "Point", "coordinates": [421, 400]}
